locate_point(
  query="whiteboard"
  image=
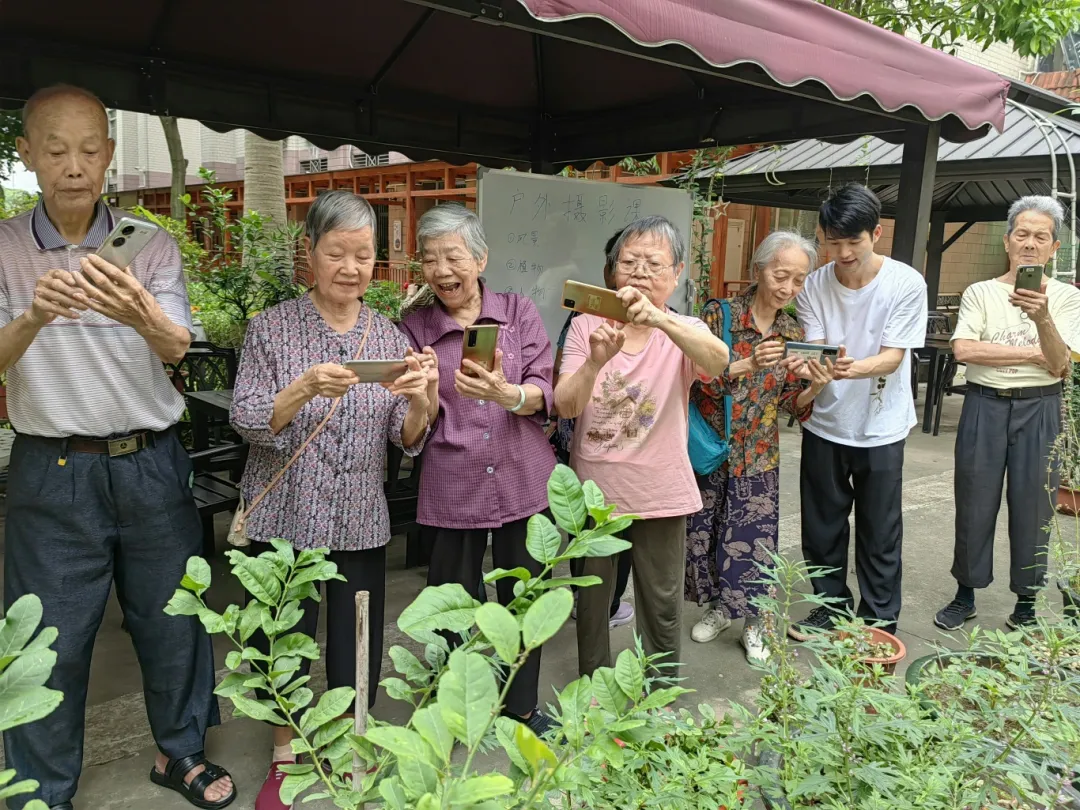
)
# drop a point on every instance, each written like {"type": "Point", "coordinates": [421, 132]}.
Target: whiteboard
{"type": "Point", "coordinates": [543, 230]}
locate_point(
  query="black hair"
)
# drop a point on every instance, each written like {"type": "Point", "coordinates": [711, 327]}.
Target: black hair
{"type": "Point", "coordinates": [610, 246]}
{"type": "Point", "coordinates": [849, 211]}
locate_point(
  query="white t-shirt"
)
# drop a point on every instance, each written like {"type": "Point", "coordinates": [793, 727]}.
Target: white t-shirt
{"type": "Point", "coordinates": [888, 313]}
{"type": "Point", "coordinates": [986, 315]}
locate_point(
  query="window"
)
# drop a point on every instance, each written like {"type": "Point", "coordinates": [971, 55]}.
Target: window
{"type": "Point", "coordinates": [361, 160]}
{"type": "Point", "coordinates": [314, 166]}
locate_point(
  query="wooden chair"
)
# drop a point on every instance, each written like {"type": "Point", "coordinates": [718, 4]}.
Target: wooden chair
{"type": "Point", "coordinates": [946, 388]}
{"type": "Point", "coordinates": [206, 367]}
{"type": "Point", "coordinates": [214, 493]}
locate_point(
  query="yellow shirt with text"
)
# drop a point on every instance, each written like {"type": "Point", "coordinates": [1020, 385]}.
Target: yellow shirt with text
{"type": "Point", "coordinates": [986, 315]}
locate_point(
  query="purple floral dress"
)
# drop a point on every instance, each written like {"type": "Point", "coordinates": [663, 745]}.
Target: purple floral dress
{"type": "Point", "coordinates": [332, 497]}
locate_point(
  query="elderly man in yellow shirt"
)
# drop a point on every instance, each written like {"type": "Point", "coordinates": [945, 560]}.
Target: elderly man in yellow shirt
{"type": "Point", "coordinates": [1016, 344]}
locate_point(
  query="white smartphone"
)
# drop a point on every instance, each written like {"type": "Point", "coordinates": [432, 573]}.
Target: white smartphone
{"type": "Point", "coordinates": [376, 371]}
{"type": "Point", "coordinates": [126, 240]}
{"type": "Point", "coordinates": [811, 351]}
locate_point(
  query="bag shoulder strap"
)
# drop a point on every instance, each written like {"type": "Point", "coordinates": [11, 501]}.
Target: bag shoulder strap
{"type": "Point", "coordinates": [725, 335]}
{"type": "Point", "coordinates": [318, 429]}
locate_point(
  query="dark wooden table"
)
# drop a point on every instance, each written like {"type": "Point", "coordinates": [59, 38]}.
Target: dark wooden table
{"type": "Point", "coordinates": [205, 406]}
{"type": "Point", "coordinates": [937, 351]}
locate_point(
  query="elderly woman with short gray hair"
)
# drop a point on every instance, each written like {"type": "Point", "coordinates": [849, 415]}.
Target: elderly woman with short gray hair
{"type": "Point", "coordinates": [737, 527]}
{"type": "Point", "coordinates": [292, 377]}
{"type": "Point", "coordinates": [488, 460]}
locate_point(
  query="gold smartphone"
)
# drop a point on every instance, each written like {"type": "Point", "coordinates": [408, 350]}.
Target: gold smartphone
{"type": "Point", "coordinates": [479, 345]}
{"type": "Point", "coordinates": [1029, 277]}
{"type": "Point", "coordinates": [376, 371]}
{"type": "Point", "coordinates": [591, 300]}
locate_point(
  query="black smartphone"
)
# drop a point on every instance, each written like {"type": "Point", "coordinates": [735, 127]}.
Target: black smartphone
{"type": "Point", "coordinates": [1029, 277]}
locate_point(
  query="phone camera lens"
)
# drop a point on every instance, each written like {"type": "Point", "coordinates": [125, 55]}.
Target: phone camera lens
{"type": "Point", "coordinates": [128, 230]}
{"type": "Point", "coordinates": [118, 241]}
{"type": "Point", "coordinates": [472, 339]}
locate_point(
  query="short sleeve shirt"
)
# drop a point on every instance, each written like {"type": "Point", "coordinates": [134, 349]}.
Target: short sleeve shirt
{"type": "Point", "coordinates": [987, 316]}
{"type": "Point", "coordinates": [91, 376]}
{"type": "Point", "coordinates": [888, 313]}
{"type": "Point", "coordinates": [631, 438]}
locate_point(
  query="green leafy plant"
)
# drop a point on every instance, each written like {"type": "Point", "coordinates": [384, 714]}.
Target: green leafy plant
{"type": "Point", "coordinates": [248, 266]}
{"type": "Point", "coordinates": [26, 662]}
{"type": "Point", "coordinates": [192, 254]}
{"type": "Point", "coordinates": [385, 297]}
{"type": "Point", "coordinates": [705, 195]}
{"type": "Point", "coordinates": [827, 737]}
{"type": "Point", "coordinates": [456, 691]}
{"type": "Point", "coordinates": [16, 202]}
{"type": "Point", "coordinates": [1032, 28]}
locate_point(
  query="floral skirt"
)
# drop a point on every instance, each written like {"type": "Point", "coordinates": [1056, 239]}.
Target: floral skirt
{"type": "Point", "coordinates": [735, 530]}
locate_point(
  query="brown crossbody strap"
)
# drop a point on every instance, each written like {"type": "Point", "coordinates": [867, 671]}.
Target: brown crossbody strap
{"type": "Point", "coordinates": [318, 429]}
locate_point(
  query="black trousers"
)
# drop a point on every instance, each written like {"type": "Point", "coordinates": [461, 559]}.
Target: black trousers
{"type": "Point", "coordinates": [73, 531]}
{"type": "Point", "coordinates": [622, 576]}
{"type": "Point", "coordinates": [457, 555]}
{"type": "Point", "coordinates": [363, 571]}
{"type": "Point", "coordinates": [1001, 438]}
{"type": "Point", "coordinates": [833, 478]}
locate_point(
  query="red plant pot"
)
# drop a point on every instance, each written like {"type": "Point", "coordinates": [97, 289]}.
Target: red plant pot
{"type": "Point", "coordinates": [883, 637]}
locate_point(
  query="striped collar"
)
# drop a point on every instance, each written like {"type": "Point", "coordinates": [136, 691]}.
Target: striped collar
{"type": "Point", "coordinates": [47, 237]}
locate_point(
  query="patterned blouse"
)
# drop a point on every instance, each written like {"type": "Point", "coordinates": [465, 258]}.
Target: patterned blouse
{"type": "Point", "coordinates": [756, 399]}
{"type": "Point", "coordinates": [333, 496]}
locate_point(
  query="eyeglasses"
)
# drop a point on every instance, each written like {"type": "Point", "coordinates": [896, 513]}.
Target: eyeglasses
{"type": "Point", "coordinates": [649, 269]}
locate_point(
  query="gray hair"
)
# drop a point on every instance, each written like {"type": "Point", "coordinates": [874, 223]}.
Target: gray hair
{"type": "Point", "coordinates": [1039, 204]}
{"type": "Point", "coordinates": [456, 219]}
{"type": "Point", "coordinates": [652, 226]}
{"type": "Point", "coordinates": [777, 241]}
{"type": "Point", "coordinates": [339, 211]}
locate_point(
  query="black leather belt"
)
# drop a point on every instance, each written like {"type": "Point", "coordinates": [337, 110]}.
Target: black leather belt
{"type": "Point", "coordinates": [1033, 392]}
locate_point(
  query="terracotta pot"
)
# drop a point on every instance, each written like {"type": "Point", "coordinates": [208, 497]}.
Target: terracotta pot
{"type": "Point", "coordinates": [882, 637]}
{"type": "Point", "coordinates": [1068, 500]}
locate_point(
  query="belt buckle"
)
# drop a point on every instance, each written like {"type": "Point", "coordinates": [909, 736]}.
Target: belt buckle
{"type": "Point", "coordinates": [1005, 392]}
{"type": "Point", "coordinates": [124, 446]}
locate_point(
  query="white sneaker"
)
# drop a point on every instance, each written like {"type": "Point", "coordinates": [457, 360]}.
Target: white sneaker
{"type": "Point", "coordinates": [712, 624]}
{"type": "Point", "coordinates": [753, 641]}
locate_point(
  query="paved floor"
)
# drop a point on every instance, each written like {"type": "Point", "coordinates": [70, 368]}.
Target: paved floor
{"type": "Point", "coordinates": [119, 749]}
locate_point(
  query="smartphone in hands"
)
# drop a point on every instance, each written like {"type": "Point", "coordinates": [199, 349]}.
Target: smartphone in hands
{"type": "Point", "coordinates": [599, 301]}
{"type": "Point", "coordinates": [1029, 277]}
{"type": "Point", "coordinates": [479, 344]}
{"type": "Point", "coordinates": [126, 240]}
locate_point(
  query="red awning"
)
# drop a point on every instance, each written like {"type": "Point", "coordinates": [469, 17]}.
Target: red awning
{"type": "Point", "coordinates": [527, 83]}
{"type": "Point", "coordinates": [796, 41]}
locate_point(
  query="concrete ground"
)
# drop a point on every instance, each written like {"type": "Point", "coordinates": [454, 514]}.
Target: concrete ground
{"type": "Point", "coordinates": [120, 750]}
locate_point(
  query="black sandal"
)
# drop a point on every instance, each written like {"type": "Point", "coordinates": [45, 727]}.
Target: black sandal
{"type": "Point", "coordinates": [195, 791]}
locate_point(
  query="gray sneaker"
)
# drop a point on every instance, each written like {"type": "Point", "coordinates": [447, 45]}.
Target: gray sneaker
{"type": "Point", "coordinates": [624, 615]}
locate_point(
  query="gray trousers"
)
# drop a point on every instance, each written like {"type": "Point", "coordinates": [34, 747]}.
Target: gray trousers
{"type": "Point", "coordinates": [659, 564]}
{"type": "Point", "coordinates": [72, 532]}
{"type": "Point", "coordinates": [999, 435]}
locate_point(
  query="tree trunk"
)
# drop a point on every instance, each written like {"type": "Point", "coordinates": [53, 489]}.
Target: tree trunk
{"type": "Point", "coordinates": [264, 179]}
{"type": "Point", "coordinates": [179, 167]}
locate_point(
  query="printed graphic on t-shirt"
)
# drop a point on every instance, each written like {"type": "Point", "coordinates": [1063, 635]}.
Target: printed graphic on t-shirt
{"type": "Point", "coordinates": [623, 414]}
{"type": "Point", "coordinates": [1022, 335]}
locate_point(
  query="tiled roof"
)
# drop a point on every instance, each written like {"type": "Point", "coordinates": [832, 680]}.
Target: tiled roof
{"type": "Point", "coordinates": [1064, 82]}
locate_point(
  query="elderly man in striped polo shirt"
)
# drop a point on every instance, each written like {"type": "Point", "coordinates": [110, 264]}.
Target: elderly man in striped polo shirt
{"type": "Point", "coordinates": [82, 343]}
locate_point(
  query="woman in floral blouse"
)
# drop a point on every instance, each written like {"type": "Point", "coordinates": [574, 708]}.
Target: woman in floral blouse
{"type": "Point", "coordinates": [737, 526]}
{"type": "Point", "coordinates": [291, 372]}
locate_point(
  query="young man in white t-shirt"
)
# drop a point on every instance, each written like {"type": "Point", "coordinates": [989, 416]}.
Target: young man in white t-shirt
{"type": "Point", "coordinates": [874, 308]}
{"type": "Point", "coordinates": [1016, 346]}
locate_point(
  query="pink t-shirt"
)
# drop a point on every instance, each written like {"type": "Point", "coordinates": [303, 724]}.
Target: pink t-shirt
{"type": "Point", "coordinates": [631, 437]}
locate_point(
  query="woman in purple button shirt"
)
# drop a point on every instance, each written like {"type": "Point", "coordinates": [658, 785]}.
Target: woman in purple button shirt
{"type": "Point", "coordinates": [487, 460]}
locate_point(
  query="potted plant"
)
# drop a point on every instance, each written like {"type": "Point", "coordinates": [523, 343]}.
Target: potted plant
{"type": "Point", "coordinates": [870, 646]}
{"type": "Point", "coordinates": [1065, 537]}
